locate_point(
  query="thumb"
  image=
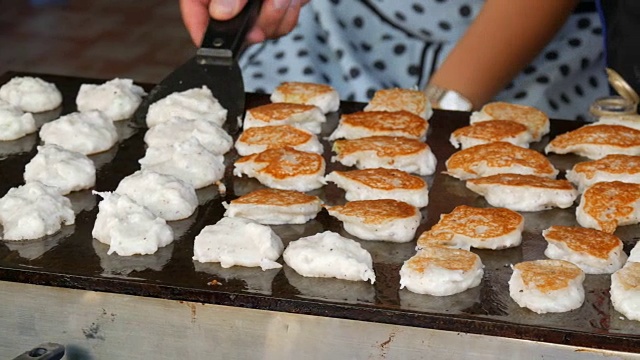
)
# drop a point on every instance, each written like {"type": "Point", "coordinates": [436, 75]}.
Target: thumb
{"type": "Point", "coordinates": [225, 9]}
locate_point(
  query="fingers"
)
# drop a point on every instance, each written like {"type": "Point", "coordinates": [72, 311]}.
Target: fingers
{"type": "Point", "coordinates": [195, 15]}
{"type": "Point", "coordinates": [277, 18]}
{"type": "Point", "coordinates": [290, 18]}
{"type": "Point", "coordinates": [225, 9]}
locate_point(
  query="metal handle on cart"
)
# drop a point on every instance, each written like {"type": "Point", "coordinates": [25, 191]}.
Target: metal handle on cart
{"type": "Point", "coordinates": [46, 351]}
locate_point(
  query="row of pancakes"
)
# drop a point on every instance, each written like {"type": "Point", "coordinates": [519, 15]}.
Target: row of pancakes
{"type": "Point", "coordinates": [497, 164]}
{"type": "Point", "coordinates": [281, 150]}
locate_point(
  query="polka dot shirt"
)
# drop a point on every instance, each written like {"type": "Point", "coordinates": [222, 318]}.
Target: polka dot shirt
{"type": "Point", "coordinates": [360, 46]}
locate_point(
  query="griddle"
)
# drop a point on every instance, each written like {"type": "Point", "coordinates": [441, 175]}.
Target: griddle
{"type": "Point", "coordinates": [72, 259]}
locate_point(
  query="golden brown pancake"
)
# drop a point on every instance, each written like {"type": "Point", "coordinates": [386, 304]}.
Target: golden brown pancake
{"type": "Point", "coordinates": [413, 101]}
{"type": "Point", "coordinates": [286, 162]}
{"type": "Point", "coordinates": [278, 111]}
{"type": "Point", "coordinates": [375, 211]}
{"type": "Point", "coordinates": [385, 179]}
{"type": "Point", "coordinates": [275, 136]}
{"type": "Point", "coordinates": [443, 257]}
{"type": "Point", "coordinates": [275, 197]}
{"type": "Point", "coordinates": [385, 123]}
{"type": "Point", "coordinates": [596, 141]}
{"type": "Point", "coordinates": [535, 120]}
{"type": "Point", "coordinates": [476, 223]}
{"type": "Point", "coordinates": [629, 276]}
{"type": "Point", "coordinates": [302, 92]}
{"type": "Point", "coordinates": [609, 204]}
{"type": "Point", "coordinates": [499, 157]}
{"type": "Point", "coordinates": [548, 275]}
{"type": "Point", "coordinates": [615, 164]}
{"type": "Point", "coordinates": [583, 240]}
{"type": "Point", "coordinates": [384, 146]}
{"type": "Point", "coordinates": [491, 131]}
{"type": "Point", "coordinates": [522, 180]}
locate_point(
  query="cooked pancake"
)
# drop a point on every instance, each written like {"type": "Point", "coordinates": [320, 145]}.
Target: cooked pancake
{"type": "Point", "coordinates": [545, 286]}
{"type": "Point", "coordinates": [323, 96]}
{"type": "Point", "coordinates": [595, 252]}
{"type": "Point", "coordinates": [380, 183]}
{"type": "Point", "coordinates": [381, 123]}
{"type": "Point", "coordinates": [482, 228]}
{"type": "Point", "coordinates": [306, 117]}
{"type": "Point", "coordinates": [384, 219]}
{"type": "Point", "coordinates": [258, 139]}
{"type": "Point", "coordinates": [524, 192]}
{"type": "Point", "coordinates": [625, 168]}
{"type": "Point", "coordinates": [632, 120]}
{"type": "Point", "coordinates": [284, 168]}
{"type": "Point", "coordinates": [597, 141]}
{"type": "Point", "coordinates": [441, 271]}
{"type": "Point", "coordinates": [535, 120]}
{"type": "Point", "coordinates": [330, 255]}
{"type": "Point", "coordinates": [625, 291]}
{"type": "Point", "coordinates": [275, 207]}
{"type": "Point", "coordinates": [498, 158]}
{"type": "Point", "coordinates": [388, 152]}
{"type": "Point", "coordinates": [413, 101]}
{"type": "Point", "coordinates": [607, 205]}
{"type": "Point", "coordinates": [491, 131]}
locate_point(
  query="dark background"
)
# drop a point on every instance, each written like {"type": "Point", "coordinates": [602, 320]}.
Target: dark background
{"type": "Point", "coordinates": [142, 39]}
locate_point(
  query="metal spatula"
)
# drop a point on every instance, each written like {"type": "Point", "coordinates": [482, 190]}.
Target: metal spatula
{"type": "Point", "coordinates": [215, 65]}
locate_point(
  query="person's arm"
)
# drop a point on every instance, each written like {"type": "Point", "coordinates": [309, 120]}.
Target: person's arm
{"type": "Point", "coordinates": [503, 39]}
{"type": "Point", "coordinates": [277, 17]}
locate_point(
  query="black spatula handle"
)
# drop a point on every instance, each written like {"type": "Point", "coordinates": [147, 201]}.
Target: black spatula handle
{"type": "Point", "coordinates": [228, 36]}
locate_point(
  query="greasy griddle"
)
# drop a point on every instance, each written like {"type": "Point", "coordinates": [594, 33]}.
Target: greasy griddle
{"type": "Point", "coordinates": [73, 259]}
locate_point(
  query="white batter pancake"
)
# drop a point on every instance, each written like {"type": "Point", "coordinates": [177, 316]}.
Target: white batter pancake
{"type": "Point", "coordinates": [211, 136]}
{"type": "Point", "coordinates": [34, 210]}
{"type": "Point", "coordinates": [118, 99]}
{"type": "Point", "coordinates": [165, 195]}
{"type": "Point", "coordinates": [190, 104]}
{"type": "Point", "coordinates": [66, 170]}
{"type": "Point", "coordinates": [128, 227]}
{"type": "Point", "coordinates": [15, 123]}
{"type": "Point", "coordinates": [87, 133]}
{"type": "Point", "coordinates": [330, 255]}
{"type": "Point", "coordinates": [238, 241]}
{"type": "Point", "coordinates": [31, 94]}
{"type": "Point", "coordinates": [187, 160]}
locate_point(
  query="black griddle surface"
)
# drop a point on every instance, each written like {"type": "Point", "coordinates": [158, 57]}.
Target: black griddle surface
{"type": "Point", "coordinates": [72, 259]}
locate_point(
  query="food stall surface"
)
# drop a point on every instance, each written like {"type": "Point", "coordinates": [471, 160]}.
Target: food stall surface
{"type": "Point", "coordinates": [65, 288]}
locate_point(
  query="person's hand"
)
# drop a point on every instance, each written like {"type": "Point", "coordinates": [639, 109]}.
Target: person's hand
{"type": "Point", "coordinates": [277, 17]}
